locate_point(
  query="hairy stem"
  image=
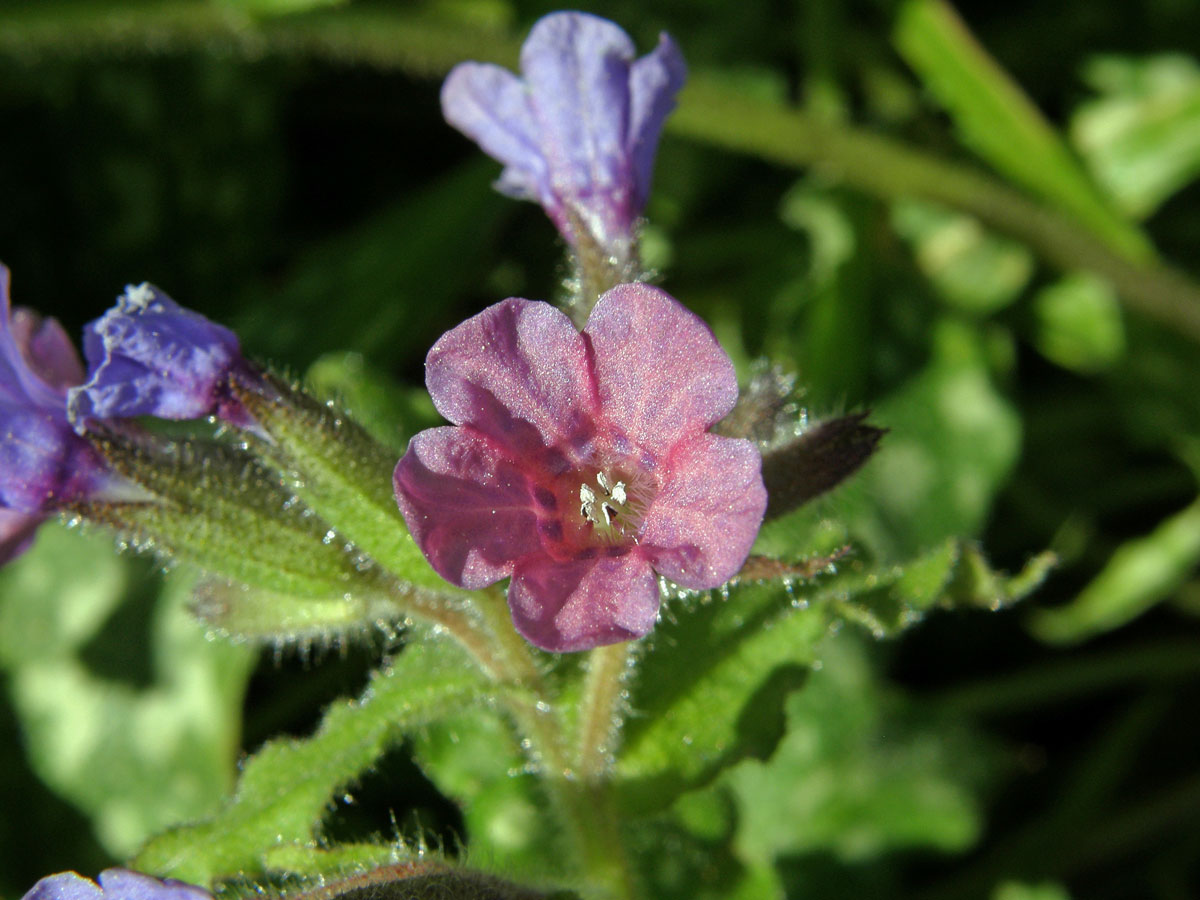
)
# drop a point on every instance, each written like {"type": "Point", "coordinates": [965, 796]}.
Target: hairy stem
{"type": "Point", "coordinates": [600, 711]}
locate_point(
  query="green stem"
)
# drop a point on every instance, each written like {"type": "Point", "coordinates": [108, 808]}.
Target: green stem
{"type": "Point", "coordinates": [584, 806]}
{"type": "Point", "coordinates": [600, 711]}
{"type": "Point", "coordinates": [717, 114]}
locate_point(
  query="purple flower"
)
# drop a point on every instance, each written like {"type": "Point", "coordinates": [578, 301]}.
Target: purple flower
{"type": "Point", "coordinates": [578, 133]}
{"type": "Point", "coordinates": [16, 533]}
{"type": "Point", "coordinates": [115, 884]}
{"type": "Point", "coordinates": [43, 462]}
{"type": "Point", "coordinates": [148, 356]}
{"type": "Point", "coordinates": [580, 464]}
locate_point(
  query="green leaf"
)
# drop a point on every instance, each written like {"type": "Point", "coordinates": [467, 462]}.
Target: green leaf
{"type": "Point", "coordinates": [857, 774]}
{"type": "Point", "coordinates": [952, 441]}
{"type": "Point", "coordinates": [739, 657]}
{"type": "Point", "coordinates": [222, 510]}
{"type": "Point", "coordinates": [887, 600]}
{"type": "Point", "coordinates": [822, 325]}
{"type": "Point", "coordinates": [475, 759]}
{"type": "Point", "coordinates": [971, 268]}
{"type": "Point", "coordinates": [285, 789]}
{"type": "Point", "coordinates": [246, 612]}
{"type": "Point", "coordinates": [1079, 324]}
{"type": "Point", "coordinates": [1141, 136]}
{"type": "Point", "coordinates": [997, 120]}
{"type": "Point", "coordinates": [1015, 890]}
{"type": "Point", "coordinates": [1141, 573]}
{"type": "Point", "coordinates": [343, 473]}
{"type": "Point", "coordinates": [135, 757]}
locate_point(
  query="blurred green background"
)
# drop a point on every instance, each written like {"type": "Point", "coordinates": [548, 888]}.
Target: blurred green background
{"type": "Point", "coordinates": [983, 229]}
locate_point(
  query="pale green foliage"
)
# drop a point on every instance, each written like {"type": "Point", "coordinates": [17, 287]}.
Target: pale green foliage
{"type": "Point", "coordinates": [1141, 135]}
{"type": "Point", "coordinates": [1079, 323]}
{"type": "Point", "coordinates": [1016, 890]}
{"type": "Point", "coordinates": [135, 758]}
{"type": "Point", "coordinates": [1141, 573]}
{"type": "Point", "coordinates": [740, 657]}
{"type": "Point", "coordinates": [998, 121]}
{"type": "Point", "coordinates": [856, 773]}
{"type": "Point", "coordinates": [954, 438]}
{"type": "Point", "coordinates": [284, 791]}
{"type": "Point", "coordinates": [474, 758]}
{"type": "Point", "coordinates": [970, 267]}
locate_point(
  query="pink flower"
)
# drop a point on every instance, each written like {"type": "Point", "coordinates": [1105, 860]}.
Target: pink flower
{"type": "Point", "coordinates": [580, 464]}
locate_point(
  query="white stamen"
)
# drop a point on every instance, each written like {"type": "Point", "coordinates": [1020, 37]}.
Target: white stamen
{"type": "Point", "coordinates": [587, 502]}
{"type": "Point", "coordinates": [618, 492]}
{"type": "Point", "coordinates": [609, 512]}
{"type": "Point", "coordinates": [602, 480]}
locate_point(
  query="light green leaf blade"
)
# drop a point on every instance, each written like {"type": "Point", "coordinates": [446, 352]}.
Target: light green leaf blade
{"type": "Point", "coordinates": [740, 656]}
{"type": "Point", "coordinates": [999, 122]}
{"type": "Point", "coordinates": [285, 789]}
{"type": "Point", "coordinates": [970, 268]}
{"type": "Point", "coordinates": [135, 758]}
{"type": "Point", "coordinates": [474, 758]}
{"type": "Point", "coordinates": [1016, 890]}
{"type": "Point", "coordinates": [855, 774]}
{"type": "Point", "coordinates": [1141, 135]}
{"type": "Point", "coordinates": [1141, 573]}
{"type": "Point", "coordinates": [953, 440]}
{"type": "Point", "coordinates": [1079, 323]}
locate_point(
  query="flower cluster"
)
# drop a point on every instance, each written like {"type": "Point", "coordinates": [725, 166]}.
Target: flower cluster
{"type": "Point", "coordinates": [580, 464]}
{"type": "Point", "coordinates": [147, 356]}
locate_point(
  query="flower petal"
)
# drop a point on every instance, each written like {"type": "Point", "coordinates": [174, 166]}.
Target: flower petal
{"type": "Point", "coordinates": [16, 533]}
{"type": "Point", "coordinates": [577, 69]}
{"type": "Point", "coordinates": [518, 372]}
{"type": "Point", "coordinates": [466, 504]}
{"type": "Point", "coordinates": [491, 106]}
{"type": "Point", "coordinates": [700, 527]}
{"type": "Point", "coordinates": [64, 886]}
{"type": "Point", "coordinates": [149, 356]}
{"type": "Point", "coordinates": [29, 368]}
{"type": "Point", "coordinates": [122, 884]}
{"type": "Point", "coordinates": [660, 372]}
{"type": "Point", "coordinates": [568, 606]}
{"type": "Point", "coordinates": [48, 350]}
{"type": "Point", "coordinates": [43, 462]}
{"type": "Point", "coordinates": [654, 80]}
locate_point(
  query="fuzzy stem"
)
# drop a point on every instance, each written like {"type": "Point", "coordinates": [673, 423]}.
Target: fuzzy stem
{"type": "Point", "coordinates": [600, 713]}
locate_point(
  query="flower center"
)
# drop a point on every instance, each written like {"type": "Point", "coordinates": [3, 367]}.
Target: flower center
{"type": "Point", "coordinates": [607, 509]}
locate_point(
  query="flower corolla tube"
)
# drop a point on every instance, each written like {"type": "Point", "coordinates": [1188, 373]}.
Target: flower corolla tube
{"type": "Point", "coordinates": [581, 463]}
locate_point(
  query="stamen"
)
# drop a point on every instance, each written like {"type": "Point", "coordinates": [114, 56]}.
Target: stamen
{"type": "Point", "coordinates": [587, 503]}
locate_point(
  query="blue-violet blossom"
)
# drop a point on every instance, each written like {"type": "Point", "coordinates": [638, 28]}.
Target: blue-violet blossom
{"type": "Point", "coordinates": [580, 464]}
{"type": "Point", "coordinates": [149, 356]}
{"type": "Point", "coordinates": [115, 884]}
{"type": "Point", "coordinates": [578, 133]}
{"type": "Point", "coordinates": [44, 464]}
